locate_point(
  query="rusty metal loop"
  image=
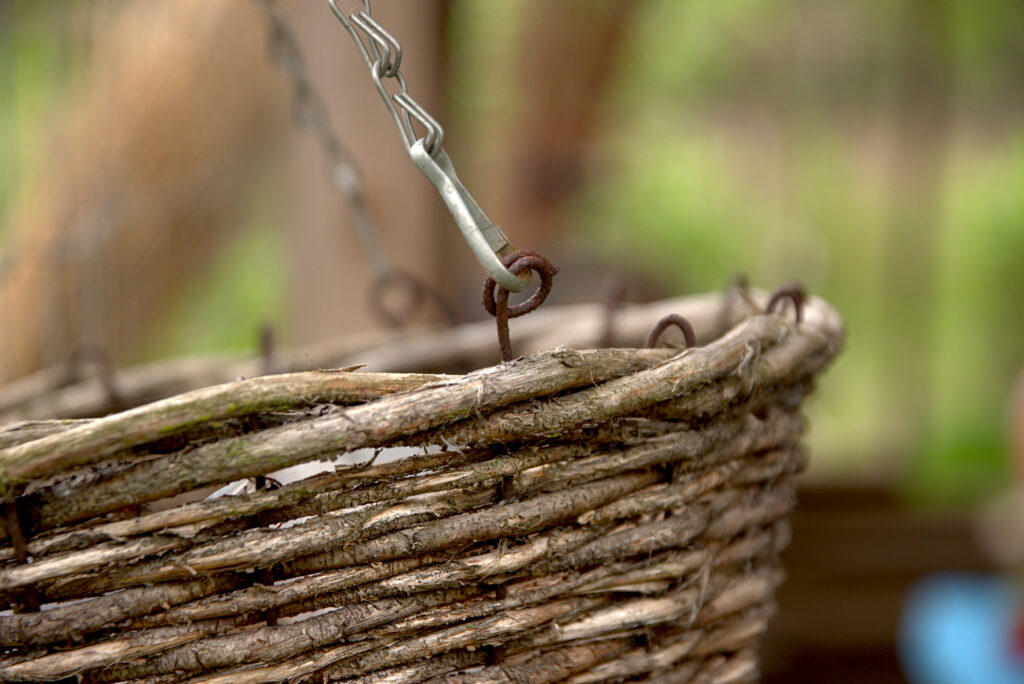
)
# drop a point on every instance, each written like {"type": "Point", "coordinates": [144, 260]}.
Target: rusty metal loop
{"type": "Point", "coordinates": [664, 323]}
{"type": "Point", "coordinates": [794, 293]}
{"type": "Point", "coordinates": [495, 297]}
{"type": "Point", "coordinates": [501, 320]}
{"type": "Point", "coordinates": [517, 262]}
{"type": "Point", "coordinates": [416, 294]}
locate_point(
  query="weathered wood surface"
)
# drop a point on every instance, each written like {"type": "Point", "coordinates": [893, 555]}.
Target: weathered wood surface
{"type": "Point", "coordinates": [402, 577]}
{"type": "Point", "coordinates": [359, 426]}
{"type": "Point", "coordinates": [44, 394]}
{"type": "Point", "coordinates": [94, 441]}
{"type": "Point", "coordinates": [47, 394]}
{"type": "Point", "coordinates": [583, 502]}
{"type": "Point", "coordinates": [29, 430]}
{"type": "Point", "coordinates": [762, 352]}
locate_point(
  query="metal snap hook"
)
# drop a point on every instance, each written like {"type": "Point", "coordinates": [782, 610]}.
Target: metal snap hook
{"type": "Point", "coordinates": [485, 239]}
{"type": "Point", "coordinates": [383, 56]}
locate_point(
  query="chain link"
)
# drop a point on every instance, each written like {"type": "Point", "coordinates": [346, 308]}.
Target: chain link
{"type": "Point", "coordinates": [382, 54]}
{"type": "Point", "coordinates": [396, 296]}
{"type": "Point", "coordinates": [310, 113]}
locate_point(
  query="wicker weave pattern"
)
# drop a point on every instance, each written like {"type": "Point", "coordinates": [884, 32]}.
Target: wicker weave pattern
{"type": "Point", "coordinates": [582, 517]}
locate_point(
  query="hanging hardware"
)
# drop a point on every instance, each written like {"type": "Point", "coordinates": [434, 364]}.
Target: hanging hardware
{"type": "Point", "coordinates": [383, 56]}
{"type": "Point", "coordinates": [794, 293]}
{"type": "Point", "coordinates": [495, 295]}
{"type": "Point", "coordinates": [310, 113]}
{"type": "Point", "coordinates": [664, 323]}
{"type": "Point", "coordinates": [508, 270]}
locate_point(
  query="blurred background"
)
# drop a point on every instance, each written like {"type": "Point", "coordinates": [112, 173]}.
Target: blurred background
{"type": "Point", "coordinates": [159, 199]}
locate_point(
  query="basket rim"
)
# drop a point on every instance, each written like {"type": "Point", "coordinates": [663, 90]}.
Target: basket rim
{"type": "Point", "coordinates": [391, 394]}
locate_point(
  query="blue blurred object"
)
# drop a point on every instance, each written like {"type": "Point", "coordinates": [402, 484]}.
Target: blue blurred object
{"type": "Point", "coordinates": [960, 629]}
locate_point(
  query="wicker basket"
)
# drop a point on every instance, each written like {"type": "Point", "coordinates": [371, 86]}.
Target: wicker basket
{"type": "Point", "coordinates": [576, 516]}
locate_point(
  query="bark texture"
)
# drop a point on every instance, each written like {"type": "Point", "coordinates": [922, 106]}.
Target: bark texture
{"type": "Point", "coordinates": [578, 516]}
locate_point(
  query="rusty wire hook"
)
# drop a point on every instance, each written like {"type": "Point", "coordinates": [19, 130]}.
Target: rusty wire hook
{"type": "Point", "coordinates": [794, 293]}
{"type": "Point", "coordinates": [662, 325]}
{"type": "Point", "coordinates": [495, 296]}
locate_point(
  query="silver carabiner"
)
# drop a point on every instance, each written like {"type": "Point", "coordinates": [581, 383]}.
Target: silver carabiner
{"type": "Point", "coordinates": [486, 240]}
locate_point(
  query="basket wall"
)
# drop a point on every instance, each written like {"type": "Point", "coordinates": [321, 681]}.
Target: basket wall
{"type": "Point", "coordinates": [571, 516]}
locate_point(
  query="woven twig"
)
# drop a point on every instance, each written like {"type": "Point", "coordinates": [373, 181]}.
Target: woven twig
{"type": "Point", "coordinates": [101, 439]}
{"type": "Point", "coordinates": [360, 426]}
{"type": "Point", "coordinates": [591, 516]}
{"type": "Point", "coordinates": [416, 411]}
{"type": "Point", "coordinates": [461, 349]}
{"type": "Point", "coordinates": [261, 548]}
{"type": "Point", "coordinates": [94, 441]}
{"type": "Point", "coordinates": [748, 591]}
{"type": "Point", "coordinates": [27, 431]}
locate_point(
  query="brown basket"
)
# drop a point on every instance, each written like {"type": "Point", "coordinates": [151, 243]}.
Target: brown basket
{"type": "Point", "coordinates": [576, 516]}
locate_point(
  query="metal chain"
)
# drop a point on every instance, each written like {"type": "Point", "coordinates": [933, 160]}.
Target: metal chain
{"type": "Point", "coordinates": [383, 56]}
{"type": "Point", "coordinates": [310, 113]}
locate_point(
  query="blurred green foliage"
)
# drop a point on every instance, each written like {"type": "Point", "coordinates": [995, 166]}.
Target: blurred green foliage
{"type": "Point", "coordinates": [780, 138]}
{"type": "Point", "coordinates": [44, 53]}
{"type": "Point", "coordinates": [31, 74]}
{"type": "Point", "coordinates": [225, 307]}
{"type": "Point", "coordinates": [771, 137]}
